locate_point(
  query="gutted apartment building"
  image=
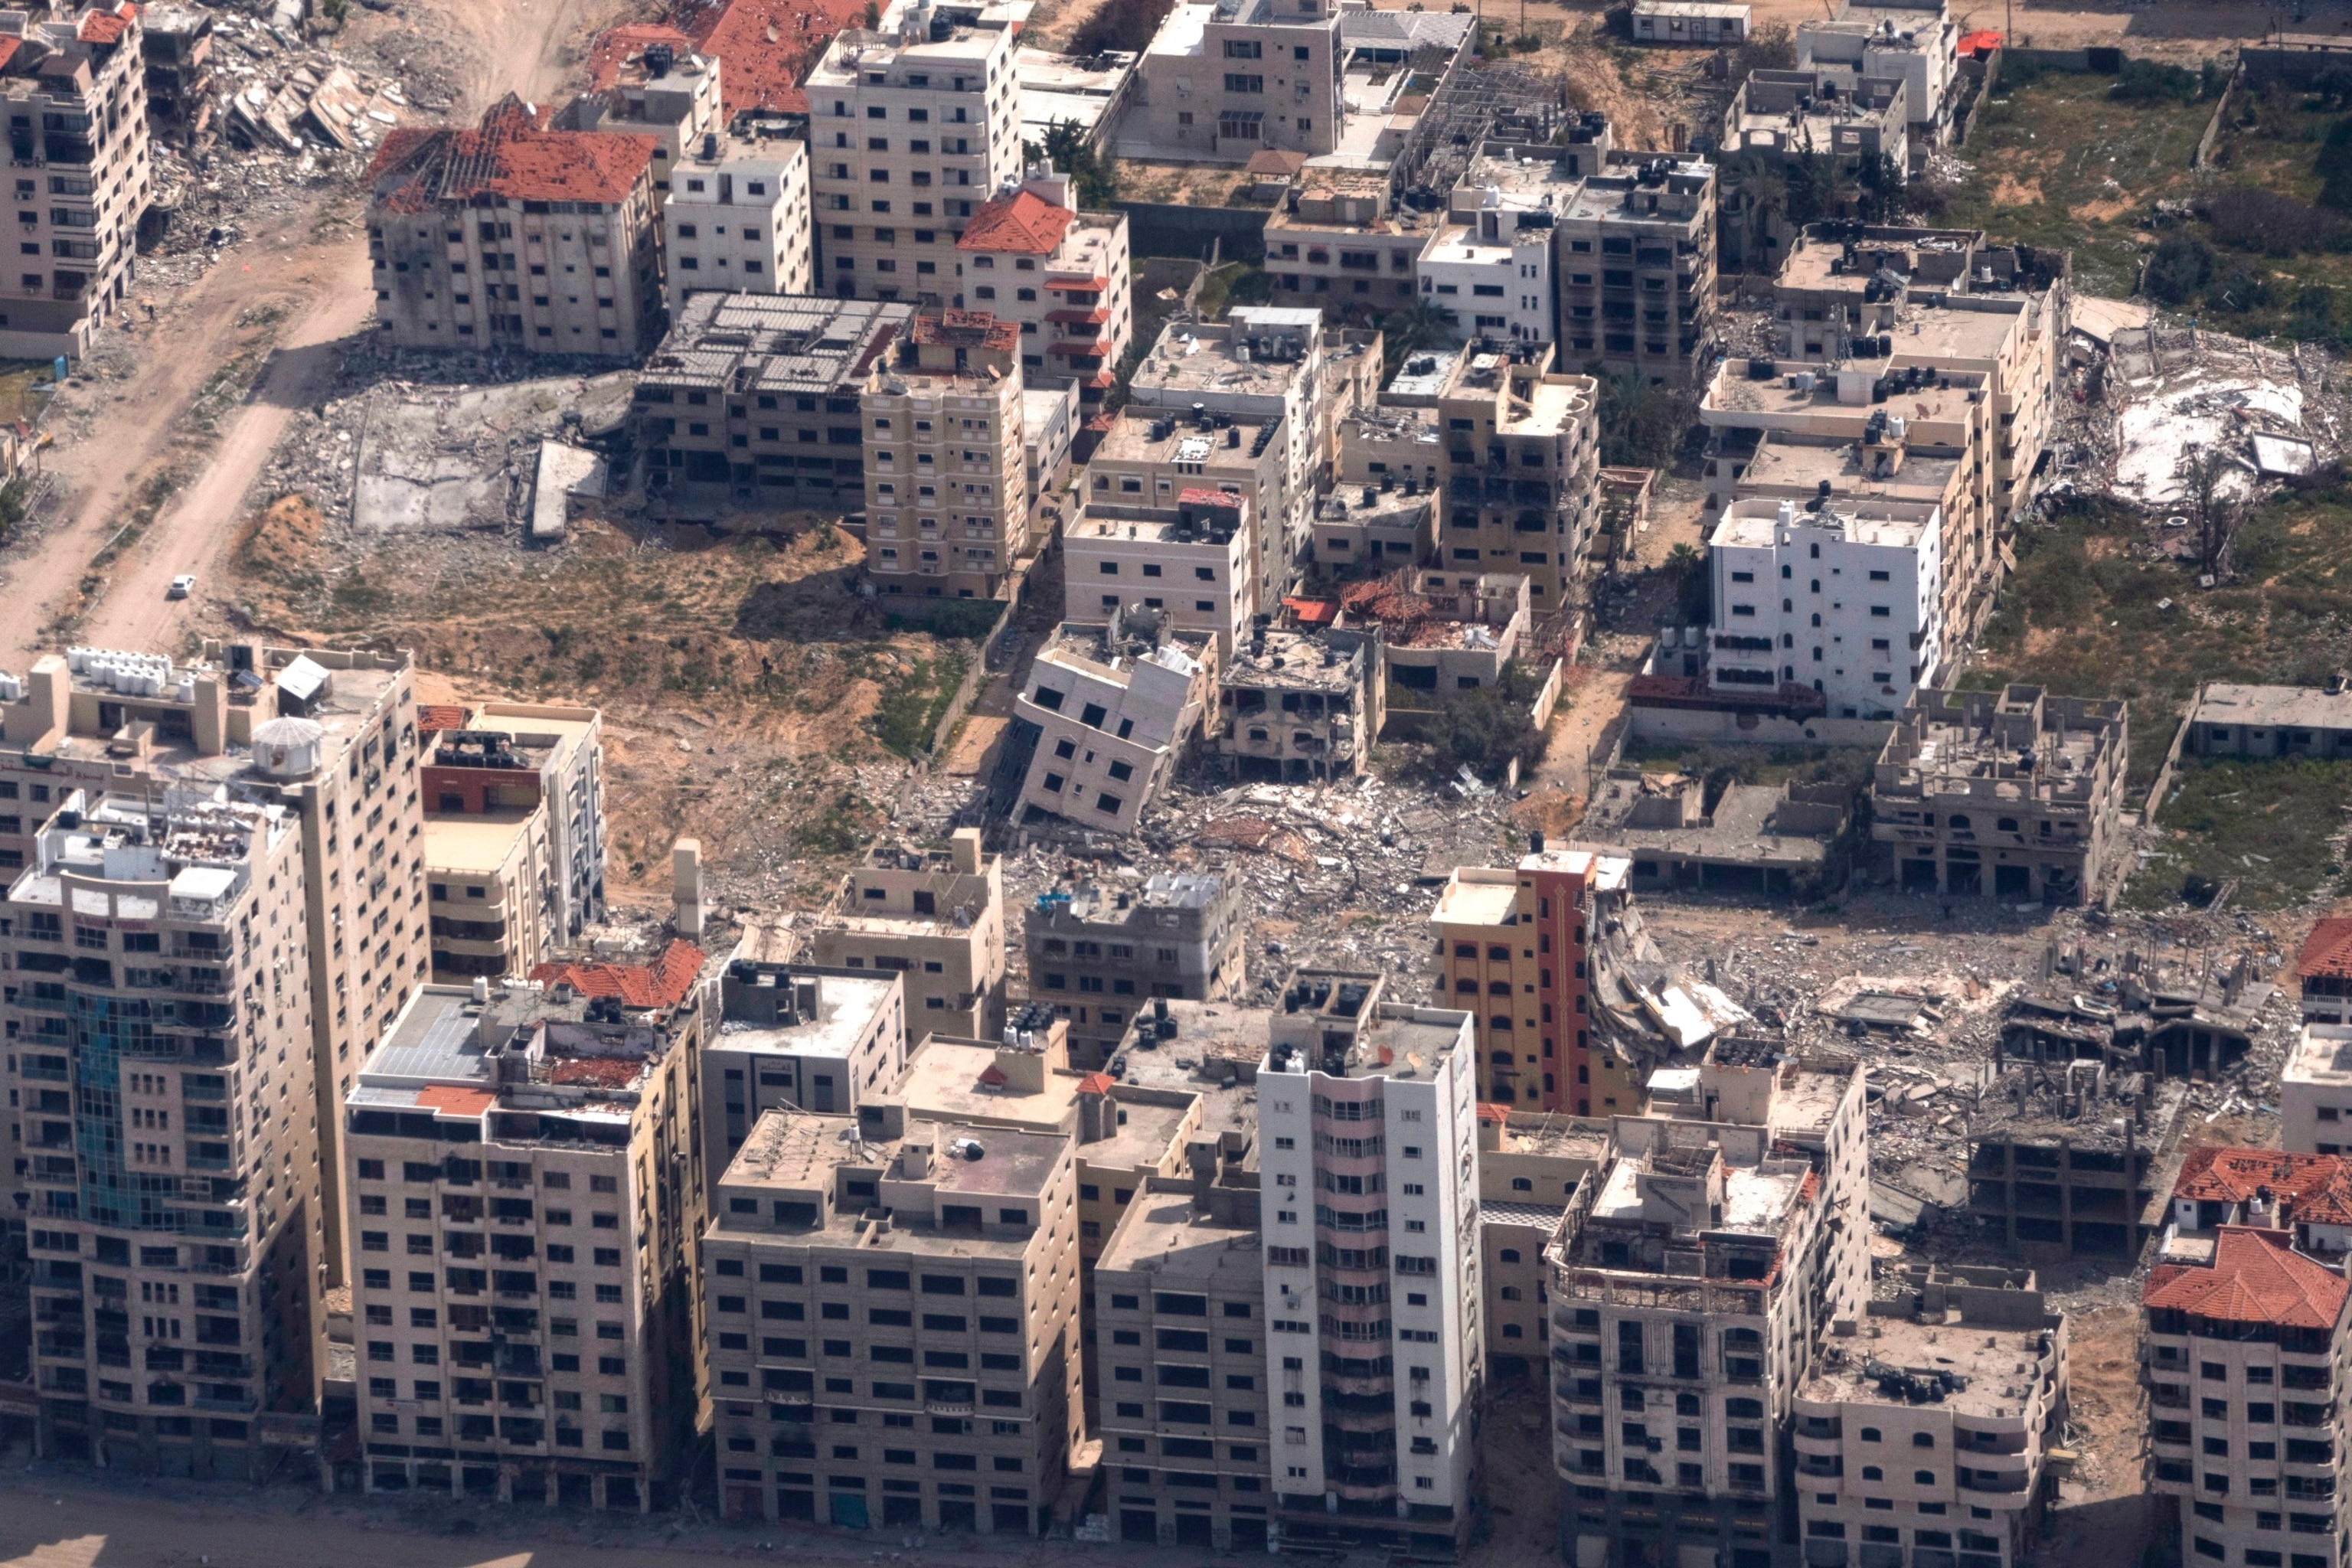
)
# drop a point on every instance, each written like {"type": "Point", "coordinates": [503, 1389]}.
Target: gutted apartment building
{"type": "Point", "coordinates": [1928, 1423]}
{"type": "Point", "coordinates": [1098, 955]}
{"type": "Point", "coordinates": [757, 396]}
{"type": "Point", "coordinates": [914, 125]}
{"type": "Point", "coordinates": [736, 217]}
{"type": "Point", "coordinates": [2072, 1161]}
{"type": "Point", "coordinates": [891, 1323]}
{"type": "Point", "coordinates": [175, 47]}
{"type": "Point", "coordinates": [947, 486]}
{"type": "Point", "coordinates": [1301, 705]}
{"type": "Point", "coordinates": [937, 917]}
{"type": "Point", "coordinates": [1521, 448]}
{"type": "Point", "coordinates": [1368, 1130]}
{"type": "Point", "coordinates": [525, 1191]}
{"type": "Point", "coordinates": [2244, 1366]}
{"type": "Point", "coordinates": [1343, 242]}
{"type": "Point", "coordinates": [328, 735]}
{"type": "Point", "coordinates": [1690, 1283]}
{"type": "Point", "coordinates": [2014, 794]}
{"type": "Point", "coordinates": [1114, 709]}
{"type": "Point", "coordinates": [1030, 256]}
{"type": "Point", "coordinates": [76, 91]}
{"type": "Point", "coordinates": [514, 239]}
{"type": "Point", "coordinates": [158, 1015]}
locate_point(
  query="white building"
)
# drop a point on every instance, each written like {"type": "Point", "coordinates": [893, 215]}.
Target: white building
{"type": "Point", "coordinates": [1491, 276]}
{"type": "Point", "coordinates": [1190, 560]}
{"type": "Point", "coordinates": [1846, 600]}
{"type": "Point", "coordinates": [2316, 1091]}
{"type": "Point", "coordinates": [1368, 1134]}
{"type": "Point", "coordinates": [912, 127]}
{"type": "Point", "coordinates": [1223, 79]}
{"type": "Point", "coordinates": [737, 218]}
{"type": "Point", "coordinates": [1918, 40]}
{"type": "Point", "coordinates": [1030, 256]}
{"type": "Point", "coordinates": [1116, 709]}
{"type": "Point", "coordinates": [1708, 22]}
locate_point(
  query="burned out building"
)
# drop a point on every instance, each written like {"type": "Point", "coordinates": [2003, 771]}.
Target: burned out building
{"type": "Point", "coordinates": [2017, 794]}
{"type": "Point", "coordinates": [2073, 1160]}
{"type": "Point", "coordinates": [1742, 839]}
{"type": "Point", "coordinates": [1302, 705]}
{"type": "Point", "coordinates": [2175, 1025]}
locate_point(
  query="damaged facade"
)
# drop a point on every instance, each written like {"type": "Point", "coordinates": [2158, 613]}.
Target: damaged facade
{"type": "Point", "coordinates": [1114, 711]}
{"type": "Point", "coordinates": [2072, 1160]}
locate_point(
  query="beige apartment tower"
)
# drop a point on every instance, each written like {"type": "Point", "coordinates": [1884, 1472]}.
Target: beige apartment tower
{"type": "Point", "coordinates": [936, 917]}
{"type": "Point", "coordinates": [947, 489]}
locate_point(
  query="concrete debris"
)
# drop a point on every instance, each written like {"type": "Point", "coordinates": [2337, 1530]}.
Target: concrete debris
{"type": "Point", "coordinates": [566, 473]}
{"type": "Point", "coordinates": [440, 460]}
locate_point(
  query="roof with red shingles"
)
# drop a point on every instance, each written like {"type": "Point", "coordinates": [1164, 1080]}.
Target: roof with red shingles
{"type": "Point", "coordinates": [99, 27]}
{"type": "Point", "coordinates": [2315, 1189]}
{"type": "Point", "coordinates": [1097, 1083]}
{"type": "Point", "coordinates": [765, 47]}
{"type": "Point", "coordinates": [433, 716]}
{"type": "Point", "coordinates": [2326, 952]}
{"type": "Point", "coordinates": [509, 155]}
{"type": "Point", "coordinates": [2256, 1277]}
{"type": "Point", "coordinates": [664, 982]}
{"type": "Point", "coordinates": [1024, 222]}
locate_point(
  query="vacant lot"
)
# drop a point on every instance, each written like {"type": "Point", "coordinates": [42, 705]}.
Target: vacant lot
{"type": "Point", "coordinates": [2085, 613]}
{"type": "Point", "coordinates": [2055, 161]}
{"type": "Point", "coordinates": [2275, 828]}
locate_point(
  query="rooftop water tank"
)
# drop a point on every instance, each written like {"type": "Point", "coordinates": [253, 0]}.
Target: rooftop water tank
{"type": "Point", "coordinates": [287, 748]}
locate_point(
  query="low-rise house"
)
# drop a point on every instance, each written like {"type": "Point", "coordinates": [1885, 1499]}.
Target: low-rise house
{"type": "Point", "coordinates": [1708, 22]}
{"type": "Point", "coordinates": [1373, 525]}
{"type": "Point", "coordinates": [1115, 710]}
{"type": "Point", "coordinates": [1443, 632]}
{"type": "Point", "coordinates": [2307, 1196]}
{"type": "Point", "coordinates": [1341, 242]}
{"type": "Point", "coordinates": [1488, 274]}
{"type": "Point", "coordinates": [2231, 720]}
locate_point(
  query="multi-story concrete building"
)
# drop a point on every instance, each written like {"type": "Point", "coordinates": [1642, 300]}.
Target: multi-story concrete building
{"type": "Point", "coordinates": [737, 216]}
{"type": "Point", "coordinates": [1300, 705]}
{"type": "Point", "coordinates": [915, 1279]}
{"type": "Point", "coordinates": [1928, 1423]}
{"type": "Point", "coordinates": [1691, 1284]}
{"type": "Point", "coordinates": [1030, 256]}
{"type": "Point", "coordinates": [794, 1036]}
{"type": "Point", "coordinates": [2245, 1369]}
{"type": "Point", "coordinates": [947, 487]}
{"type": "Point", "coordinates": [1846, 599]}
{"type": "Point", "coordinates": [1115, 710]}
{"type": "Point", "coordinates": [1516, 947]}
{"type": "Point", "coordinates": [545, 760]}
{"type": "Point", "coordinates": [2074, 1165]}
{"type": "Point", "coordinates": [756, 395]}
{"type": "Point", "coordinates": [514, 239]}
{"type": "Point", "coordinates": [1368, 1135]}
{"type": "Point", "coordinates": [914, 124]}
{"type": "Point", "coordinates": [2305, 1195]}
{"type": "Point", "coordinates": [1918, 40]}
{"type": "Point", "coordinates": [1828, 111]}
{"type": "Point", "coordinates": [2016, 794]}
{"type": "Point", "coordinates": [1529, 1165]}
{"type": "Point", "coordinates": [2316, 1090]}
{"type": "Point", "coordinates": [76, 91]}
{"type": "Point", "coordinates": [489, 863]}
{"type": "Point", "coordinates": [1096, 956]}
{"type": "Point", "coordinates": [1632, 241]}
{"type": "Point", "coordinates": [329, 736]}
{"type": "Point", "coordinates": [175, 47]}
{"type": "Point", "coordinates": [529, 1335]}
{"type": "Point", "coordinates": [1195, 560]}
{"type": "Point", "coordinates": [1343, 242]}
{"type": "Point", "coordinates": [1181, 1333]}
{"type": "Point", "coordinates": [1225, 79]}
{"type": "Point", "coordinates": [1521, 448]}
{"type": "Point", "coordinates": [1488, 273]}
{"type": "Point", "coordinates": [157, 1017]}
{"type": "Point", "coordinates": [659, 90]}
{"type": "Point", "coordinates": [937, 917]}
{"type": "Point", "coordinates": [2323, 972]}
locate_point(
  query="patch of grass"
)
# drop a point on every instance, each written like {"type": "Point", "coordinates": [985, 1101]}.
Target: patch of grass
{"type": "Point", "coordinates": [915, 694]}
{"type": "Point", "coordinates": [2080, 614]}
{"type": "Point", "coordinates": [2275, 827]}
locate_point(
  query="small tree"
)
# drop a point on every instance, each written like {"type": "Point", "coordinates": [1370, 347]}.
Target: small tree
{"type": "Point", "coordinates": [1094, 185]}
{"type": "Point", "coordinates": [2204, 476]}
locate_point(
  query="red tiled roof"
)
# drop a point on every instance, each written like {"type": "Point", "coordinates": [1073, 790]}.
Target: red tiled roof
{"type": "Point", "coordinates": [1024, 222]}
{"type": "Point", "coordinates": [2233, 1176]}
{"type": "Point", "coordinates": [618, 46]}
{"type": "Point", "coordinates": [106, 26]}
{"type": "Point", "coordinates": [9, 47]}
{"type": "Point", "coordinates": [510, 156]}
{"type": "Point", "coordinates": [1490, 1112]}
{"type": "Point", "coordinates": [603, 1072]}
{"type": "Point", "coordinates": [2257, 1277]}
{"type": "Point", "coordinates": [2326, 952]}
{"type": "Point", "coordinates": [664, 982]}
{"type": "Point", "coordinates": [1097, 1083]}
{"type": "Point", "coordinates": [968, 328]}
{"type": "Point", "coordinates": [433, 716]}
{"type": "Point", "coordinates": [1205, 495]}
{"type": "Point", "coordinates": [1312, 611]}
{"type": "Point", "coordinates": [765, 47]}
{"type": "Point", "coordinates": [992, 1076]}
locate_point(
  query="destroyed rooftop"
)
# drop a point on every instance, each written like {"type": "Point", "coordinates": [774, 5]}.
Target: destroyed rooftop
{"type": "Point", "coordinates": [508, 159]}
{"type": "Point", "coordinates": [526, 1048]}
{"type": "Point", "coordinates": [2029, 1103]}
{"type": "Point", "coordinates": [1099, 653]}
{"type": "Point", "coordinates": [1553, 1134]}
{"type": "Point", "coordinates": [1161, 890]}
{"type": "Point", "coordinates": [741, 344]}
{"type": "Point", "coordinates": [2004, 756]}
{"type": "Point", "coordinates": [1293, 661]}
{"type": "Point", "coordinates": [1995, 1369]}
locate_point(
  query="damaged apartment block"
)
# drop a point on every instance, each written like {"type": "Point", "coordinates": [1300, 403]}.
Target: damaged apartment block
{"type": "Point", "coordinates": [2073, 1161]}
{"type": "Point", "coordinates": [2177, 1025]}
{"type": "Point", "coordinates": [2016, 794]}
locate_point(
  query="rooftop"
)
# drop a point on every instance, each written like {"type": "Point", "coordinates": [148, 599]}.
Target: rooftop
{"type": "Point", "coordinates": [1207, 1049]}
{"type": "Point", "coordinates": [775, 343]}
{"type": "Point", "coordinates": [1551, 1134]}
{"type": "Point", "coordinates": [2256, 1277]}
{"type": "Point", "coordinates": [1294, 661]}
{"type": "Point", "coordinates": [1755, 524]}
{"type": "Point", "coordinates": [1092, 905]}
{"type": "Point", "coordinates": [2274, 707]}
{"type": "Point", "coordinates": [2017, 743]}
{"type": "Point", "coordinates": [476, 844]}
{"type": "Point", "coordinates": [1220, 442]}
{"type": "Point", "coordinates": [664, 983]}
{"type": "Point", "coordinates": [1793, 389]}
{"type": "Point", "coordinates": [1479, 895]}
{"type": "Point", "coordinates": [507, 156]}
{"type": "Point", "coordinates": [797, 1158]}
{"type": "Point", "coordinates": [2326, 952]}
{"type": "Point", "coordinates": [1168, 1235]}
{"type": "Point", "coordinates": [1022, 221]}
{"type": "Point", "coordinates": [1968, 1368]}
{"type": "Point", "coordinates": [798, 1012]}
{"type": "Point", "coordinates": [1256, 351]}
{"type": "Point", "coordinates": [2322, 1054]}
{"type": "Point", "coordinates": [1336, 1022]}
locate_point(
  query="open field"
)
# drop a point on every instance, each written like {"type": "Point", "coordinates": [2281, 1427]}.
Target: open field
{"type": "Point", "coordinates": [2274, 828]}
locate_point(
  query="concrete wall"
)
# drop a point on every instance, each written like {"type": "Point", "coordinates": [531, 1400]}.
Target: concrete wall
{"type": "Point", "coordinates": [1155, 228]}
{"type": "Point", "coordinates": [1723, 727]}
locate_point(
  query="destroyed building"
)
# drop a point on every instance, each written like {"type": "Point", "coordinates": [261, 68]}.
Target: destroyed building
{"type": "Point", "coordinates": [1521, 448]}
{"type": "Point", "coordinates": [1111, 712]}
{"type": "Point", "coordinates": [570, 218]}
{"type": "Point", "coordinates": [2176, 1024]}
{"type": "Point", "coordinates": [2016, 795]}
{"type": "Point", "coordinates": [937, 917]}
{"type": "Point", "coordinates": [782, 374]}
{"type": "Point", "coordinates": [1683, 832]}
{"type": "Point", "coordinates": [2072, 1160]}
{"type": "Point", "coordinates": [1101, 956]}
{"type": "Point", "coordinates": [947, 484]}
{"type": "Point", "coordinates": [1443, 631]}
{"type": "Point", "coordinates": [1302, 705]}
{"type": "Point", "coordinates": [80, 77]}
{"type": "Point", "coordinates": [176, 51]}
{"type": "Point", "coordinates": [1828, 111]}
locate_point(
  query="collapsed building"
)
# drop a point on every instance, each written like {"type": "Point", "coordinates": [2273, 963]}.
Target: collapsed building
{"type": "Point", "coordinates": [1754, 839]}
{"type": "Point", "coordinates": [1298, 706]}
{"type": "Point", "coordinates": [2073, 1160]}
{"type": "Point", "coordinates": [1109, 714]}
{"type": "Point", "coordinates": [2177, 1026]}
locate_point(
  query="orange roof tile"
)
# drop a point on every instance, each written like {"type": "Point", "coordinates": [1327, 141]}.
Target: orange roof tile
{"type": "Point", "coordinates": [2233, 1176]}
{"type": "Point", "coordinates": [765, 47]}
{"type": "Point", "coordinates": [1097, 1083]}
{"type": "Point", "coordinates": [509, 155]}
{"type": "Point", "coordinates": [1024, 222]}
{"type": "Point", "coordinates": [664, 982]}
{"type": "Point", "coordinates": [1312, 611]}
{"type": "Point", "coordinates": [454, 1100]}
{"type": "Point", "coordinates": [2326, 952]}
{"type": "Point", "coordinates": [992, 1076]}
{"type": "Point", "coordinates": [2256, 1277]}
{"type": "Point", "coordinates": [433, 716]}
{"type": "Point", "coordinates": [618, 46]}
{"type": "Point", "coordinates": [603, 1072]}
{"type": "Point", "coordinates": [106, 26]}
{"type": "Point", "coordinates": [968, 328]}
{"type": "Point", "coordinates": [1490, 1112]}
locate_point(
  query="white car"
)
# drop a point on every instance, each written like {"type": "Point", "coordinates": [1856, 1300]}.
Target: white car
{"type": "Point", "coordinates": [182, 585]}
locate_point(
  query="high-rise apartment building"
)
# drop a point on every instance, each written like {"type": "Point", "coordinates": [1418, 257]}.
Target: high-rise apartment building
{"type": "Point", "coordinates": [737, 217]}
{"type": "Point", "coordinates": [1099, 957]}
{"type": "Point", "coordinates": [1529, 1165]}
{"type": "Point", "coordinates": [513, 238]}
{"type": "Point", "coordinates": [527, 1193]}
{"type": "Point", "coordinates": [2245, 1369]}
{"type": "Point", "coordinates": [1368, 1131]}
{"type": "Point", "coordinates": [913, 125]}
{"type": "Point", "coordinates": [1522, 450]}
{"type": "Point", "coordinates": [947, 486]}
{"type": "Point", "coordinates": [670, 94]}
{"type": "Point", "coordinates": [76, 91]}
{"type": "Point", "coordinates": [891, 1323]}
{"type": "Point", "coordinates": [157, 1017]}
{"type": "Point", "coordinates": [329, 735]}
{"type": "Point", "coordinates": [1692, 1280]}
{"type": "Point", "coordinates": [1030, 256]}
{"type": "Point", "coordinates": [936, 917]}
